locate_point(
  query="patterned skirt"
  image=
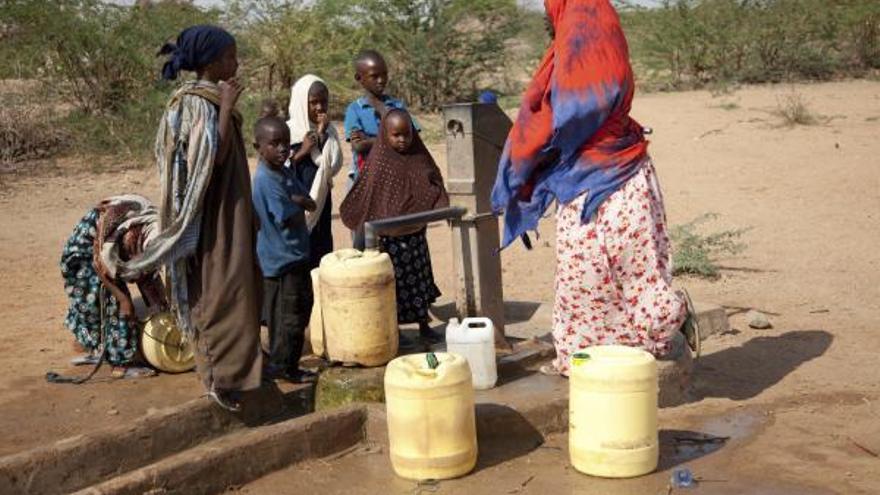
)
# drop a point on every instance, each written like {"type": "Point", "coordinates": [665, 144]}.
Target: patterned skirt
{"type": "Point", "coordinates": [414, 278]}
{"type": "Point", "coordinates": [86, 299]}
{"type": "Point", "coordinates": [614, 275]}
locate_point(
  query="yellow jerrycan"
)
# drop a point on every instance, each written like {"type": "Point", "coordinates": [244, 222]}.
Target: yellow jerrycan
{"type": "Point", "coordinates": [613, 412]}
{"type": "Point", "coordinates": [316, 321]}
{"type": "Point", "coordinates": [357, 308]}
{"type": "Point", "coordinates": [432, 429]}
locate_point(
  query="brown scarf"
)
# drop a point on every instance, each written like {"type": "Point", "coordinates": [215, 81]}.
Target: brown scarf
{"type": "Point", "coordinates": [394, 184]}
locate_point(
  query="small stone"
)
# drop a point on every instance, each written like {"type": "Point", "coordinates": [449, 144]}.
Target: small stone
{"type": "Point", "coordinates": [113, 411]}
{"type": "Point", "coordinates": [758, 320]}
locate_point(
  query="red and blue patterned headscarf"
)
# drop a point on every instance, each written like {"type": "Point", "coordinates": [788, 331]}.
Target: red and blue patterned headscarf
{"type": "Point", "coordinates": [573, 133]}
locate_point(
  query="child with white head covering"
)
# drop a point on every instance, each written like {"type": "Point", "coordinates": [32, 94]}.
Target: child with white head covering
{"type": "Point", "coordinates": [316, 156]}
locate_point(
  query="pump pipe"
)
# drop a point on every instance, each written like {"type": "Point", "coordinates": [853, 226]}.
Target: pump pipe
{"type": "Point", "coordinates": [374, 228]}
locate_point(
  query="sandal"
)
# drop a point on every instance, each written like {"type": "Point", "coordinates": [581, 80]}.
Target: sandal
{"type": "Point", "coordinates": [87, 359]}
{"type": "Point", "coordinates": [132, 372]}
{"type": "Point", "coordinates": [691, 326]}
{"type": "Point", "coordinates": [225, 400]}
{"type": "Point", "coordinates": [549, 370]}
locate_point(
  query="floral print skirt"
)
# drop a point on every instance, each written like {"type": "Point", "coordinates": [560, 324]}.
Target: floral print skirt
{"type": "Point", "coordinates": [414, 278]}
{"type": "Point", "coordinates": [614, 274]}
{"type": "Point", "coordinates": [86, 299]}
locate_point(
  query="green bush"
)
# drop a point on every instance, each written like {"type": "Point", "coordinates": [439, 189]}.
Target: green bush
{"type": "Point", "coordinates": [438, 51]}
{"type": "Point", "coordinates": [695, 253]}
{"type": "Point", "coordinates": [99, 56]}
{"type": "Point", "coordinates": [686, 43]}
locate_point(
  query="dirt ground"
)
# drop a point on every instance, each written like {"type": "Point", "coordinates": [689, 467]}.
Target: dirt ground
{"type": "Point", "coordinates": [810, 194]}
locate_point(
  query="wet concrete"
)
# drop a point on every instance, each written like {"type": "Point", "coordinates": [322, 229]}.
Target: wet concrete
{"type": "Point", "coordinates": [519, 460]}
{"type": "Point", "coordinates": [544, 470]}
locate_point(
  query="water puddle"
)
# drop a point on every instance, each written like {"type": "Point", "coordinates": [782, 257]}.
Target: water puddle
{"type": "Point", "coordinates": [713, 434]}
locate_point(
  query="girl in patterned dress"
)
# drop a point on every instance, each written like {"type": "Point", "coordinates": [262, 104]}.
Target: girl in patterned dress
{"type": "Point", "coordinates": [400, 178]}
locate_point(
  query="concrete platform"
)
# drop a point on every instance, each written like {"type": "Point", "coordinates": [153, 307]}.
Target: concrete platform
{"type": "Point", "coordinates": [198, 448]}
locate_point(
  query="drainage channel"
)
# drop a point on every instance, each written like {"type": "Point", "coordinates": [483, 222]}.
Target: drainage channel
{"type": "Point", "coordinates": [84, 460]}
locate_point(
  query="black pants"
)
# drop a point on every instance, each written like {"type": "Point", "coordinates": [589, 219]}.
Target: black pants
{"type": "Point", "coordinates": [288, 305]}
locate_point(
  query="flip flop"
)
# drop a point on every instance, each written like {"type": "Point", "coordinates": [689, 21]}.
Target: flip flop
{"type": "Point", "coordinates": [138, 372]}
{"type": "Point", "coordinates": [86, 359]}
{"type": "Point", "coordinates": [132, 372]}
{"type": "Point", "coordinates": [691, 326]}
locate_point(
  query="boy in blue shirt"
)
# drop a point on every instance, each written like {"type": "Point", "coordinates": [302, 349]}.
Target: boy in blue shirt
{"type": "Point", "coordinates": [363, 115]}
{"type": "Point", "coordinates": [280, 202]}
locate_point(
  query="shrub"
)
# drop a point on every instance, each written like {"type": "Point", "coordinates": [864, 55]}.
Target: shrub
{"type": "Point", "coordinates": [27, 133]}
{"type": "Point", "coordinates": [686, 43]}
{"type": "Point", "coordinates": [438, 51]}
{"type": "Point", "coordinates": [100, 56]}
{"type": "Point", "coordinates": [793, 110]}
{"type": "Point", "coordinates": [697, 254]}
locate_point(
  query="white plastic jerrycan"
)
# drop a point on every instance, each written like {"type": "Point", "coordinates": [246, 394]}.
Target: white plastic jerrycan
{"type": "Point", "coordinates": [474, 339]}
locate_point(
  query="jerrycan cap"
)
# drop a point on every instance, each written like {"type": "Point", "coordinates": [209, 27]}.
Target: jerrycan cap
{"type": "Point", "coordinates": [579, 358]}
{"type": "Point", "coordinates": [613, 355]}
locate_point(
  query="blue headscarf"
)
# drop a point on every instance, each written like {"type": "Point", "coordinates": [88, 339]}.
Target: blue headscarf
{"type": "Point", "coordinates": [197, 46]}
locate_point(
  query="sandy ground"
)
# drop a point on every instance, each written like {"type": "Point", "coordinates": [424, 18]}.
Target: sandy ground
{"type": "Point", "coordinates": [810, 194]}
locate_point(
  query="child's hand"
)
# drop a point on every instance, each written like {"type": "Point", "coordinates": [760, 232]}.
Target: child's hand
{"type": "Point", "coordinates": [323, 123]}
{"type": "Point", "coordinates": [360, 142]}
{"type": "Point", "coordinates": [308, 142]}
{"type": "Point", "coordinates": [378, 105]}
{"type": "Point", "coordinates": [229, 92]}
{"type": "Point", "coordinates": [304, 201]}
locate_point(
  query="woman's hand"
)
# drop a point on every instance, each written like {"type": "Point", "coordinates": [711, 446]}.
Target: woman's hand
{"type": "Point", "coordinates": [229, 93]}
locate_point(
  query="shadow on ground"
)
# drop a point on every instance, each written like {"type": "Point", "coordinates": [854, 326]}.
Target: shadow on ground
{"type": "Point", "coordinates": [745, 371]}
{"type": "Point", "coordinates": [514, 311]}
{"type": "Point", "coordinates": [503, 434]}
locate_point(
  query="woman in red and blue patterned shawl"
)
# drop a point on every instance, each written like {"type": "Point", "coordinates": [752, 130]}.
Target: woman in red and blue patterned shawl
{"type": "Point", "coordinates": [575, 143]}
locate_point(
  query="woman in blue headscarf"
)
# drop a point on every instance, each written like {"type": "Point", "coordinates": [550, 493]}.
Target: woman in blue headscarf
{"type": "Point", "coordinates": [207, 232]}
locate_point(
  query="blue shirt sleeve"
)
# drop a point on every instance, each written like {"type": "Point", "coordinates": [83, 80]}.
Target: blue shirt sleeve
{"type": "Point", "coordinates": [278, 204]}
{"type": "Point", "coordinates": [352, 121]}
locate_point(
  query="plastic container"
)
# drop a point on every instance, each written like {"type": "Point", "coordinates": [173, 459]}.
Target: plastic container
{"type": "Point", "coordinates": [357, 308]}
{"type": "Point", "coordinates": [432, 429]}
{"type": "Point", "coordinates": [613, 412]}
{"type": "Point", "coordinates": [316, 321]}
{"type": "Point", "coordinates": [165, 346]}
{"type": "Point", "coordinates": [474, 339]}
